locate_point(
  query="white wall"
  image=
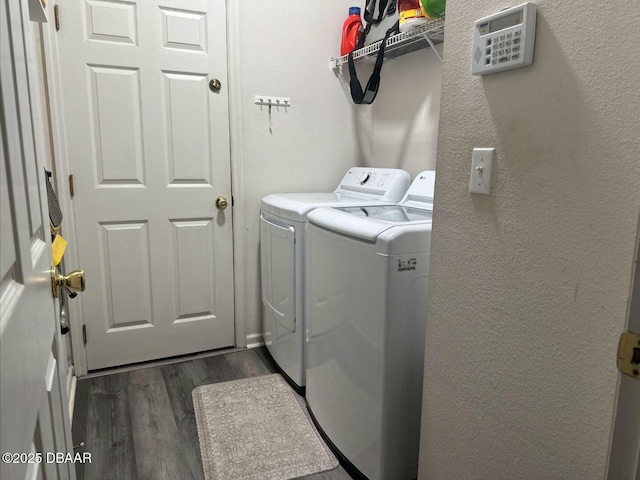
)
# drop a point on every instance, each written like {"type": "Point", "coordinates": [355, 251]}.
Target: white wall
{"type": "Point", "coordinates": [284, 50]}
{"type": "Point", "coordinates": [529, 286]}
{"type": "Point", "coordinates": [406, 112]}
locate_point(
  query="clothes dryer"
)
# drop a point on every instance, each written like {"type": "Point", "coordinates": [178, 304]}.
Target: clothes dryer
{"type": "Point", "coordinates": [283, 220]}
{"type": "Point", "coordinates": [366, 287]}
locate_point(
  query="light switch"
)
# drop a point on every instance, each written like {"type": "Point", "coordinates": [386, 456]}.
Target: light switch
{"type": "Point", "coordinates": [481, 170]}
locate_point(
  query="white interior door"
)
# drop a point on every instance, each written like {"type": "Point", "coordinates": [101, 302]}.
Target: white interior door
{"type": "Point", "coordinates": [33, 415]}
{"type": "Point", "coordinates": [148, 146]}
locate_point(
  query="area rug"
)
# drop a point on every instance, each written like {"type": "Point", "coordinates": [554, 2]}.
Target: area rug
{"type": "Point", "coordinates": [255, 428]}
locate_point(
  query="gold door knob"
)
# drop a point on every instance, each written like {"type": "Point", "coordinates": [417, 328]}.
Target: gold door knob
{"type": "Point", "coordinates": [221, 202]}
{"type": "Point", "coordinates": [73, 281]}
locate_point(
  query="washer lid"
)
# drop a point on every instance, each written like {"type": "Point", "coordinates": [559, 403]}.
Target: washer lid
{"type": "Point", "coordinates": [368, 222]}
{"type": "Point", "coordinates": [390, 213]}
{"type": "Point", "coordinates": [296, 206]}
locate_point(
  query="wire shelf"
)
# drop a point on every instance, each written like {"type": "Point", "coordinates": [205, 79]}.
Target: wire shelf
{"type": "Point", "coordinates": [422, 36]}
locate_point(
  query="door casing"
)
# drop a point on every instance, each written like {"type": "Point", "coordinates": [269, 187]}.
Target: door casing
{"type": "Point", "coordinates": [624, 447]}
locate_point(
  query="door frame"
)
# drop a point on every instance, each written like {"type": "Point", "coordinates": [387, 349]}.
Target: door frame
{"type": "Point", "coordinates": [624, 439]}
{"type": "Point", "coordinates": [63, 170]}
{"type": "Point", "coordinates": [237, 173]}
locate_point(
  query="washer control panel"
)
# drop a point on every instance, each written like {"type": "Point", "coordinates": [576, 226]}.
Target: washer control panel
{"type": "Point", "coordinates": [504, 40]}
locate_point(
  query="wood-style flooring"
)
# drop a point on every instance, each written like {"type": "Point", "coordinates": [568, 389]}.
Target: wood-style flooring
{"type": "Point", "coordinates": [140, 424]}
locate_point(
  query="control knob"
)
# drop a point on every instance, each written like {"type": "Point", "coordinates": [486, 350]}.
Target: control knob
{"type": "Point", "coordinates": [364, 177]}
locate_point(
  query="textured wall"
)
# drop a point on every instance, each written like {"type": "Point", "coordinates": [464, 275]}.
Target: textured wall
{"type": "Point", "coordinates": [529, 286]}
{"type": "Point", "coordinates": [284, 50]}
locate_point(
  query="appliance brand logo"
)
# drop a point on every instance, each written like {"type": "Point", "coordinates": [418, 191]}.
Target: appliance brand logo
{"type": "Point", "coordinates": [407, 265]}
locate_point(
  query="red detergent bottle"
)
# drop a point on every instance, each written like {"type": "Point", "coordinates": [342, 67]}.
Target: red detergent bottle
{"type": "Point", "coordinates": [351, 31]}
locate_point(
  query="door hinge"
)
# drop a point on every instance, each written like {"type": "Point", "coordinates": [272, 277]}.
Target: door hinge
{"type": "Point", "coordinates": [629, 354]}
{"type": "Point", "coordinates": [71, 190]}
{"type": "Point", "coordinates": [56, 17]}
{"type": "Point", "coordinates": [84, 334]}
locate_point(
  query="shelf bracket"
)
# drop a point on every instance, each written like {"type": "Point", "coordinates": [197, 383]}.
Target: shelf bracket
{"type": "Point", "coordinates": [433, 47]}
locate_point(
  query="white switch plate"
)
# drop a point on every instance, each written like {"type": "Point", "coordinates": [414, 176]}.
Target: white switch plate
{"type": "Point", "coordinates": [481, 170]}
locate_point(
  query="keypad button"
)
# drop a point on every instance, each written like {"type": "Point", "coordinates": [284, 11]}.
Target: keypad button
{"type": "Point", "coordinates": [516, 41]}
{"type": "Point", "coordinates": [501, 37]}
{"type": "Point", "coordinates": [516, 48]}
{"type": "Point", "coordinates": [509, 35]}
{"type": "Point", "coordinates": [487, 51]}
{"type": "Point", "coordinates": [507, 43]}
{"type": "Point", "coordinates": [488, 42]}
{"type": "Point", "coordinates": [503, 59]}
{"type": "Point", "coordinates": [501, 44]}
{"type": "Point", "coordinates": [494, 61]}
{"type": "Point", "coordinates": [507, 50]}
{"type": "Point", "coordinates": [501, 52]}
{"type": "Point", "coordinates": [515, 56]}
{"type": "Point", "coordinates": [517, 33]}
{"type": "Point", "coordinates": [487, 61]}
{"type": "Point", "coordinates": [495, 39]}
{"type": "Point", "coordinates": [495, 53]}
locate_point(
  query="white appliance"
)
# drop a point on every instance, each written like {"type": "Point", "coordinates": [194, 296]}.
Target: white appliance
{"type": "Point", "coordinates": [366, 287]}
{"type": "Point", "coordinates": [282, 228]}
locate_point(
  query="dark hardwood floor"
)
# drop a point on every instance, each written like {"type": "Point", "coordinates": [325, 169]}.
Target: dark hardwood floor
{"type": "Point", "coordinates": [140, 424]}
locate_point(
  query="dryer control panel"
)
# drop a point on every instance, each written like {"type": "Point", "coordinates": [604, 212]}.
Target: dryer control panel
{"type": "Point", "coordinates": [385, 184]}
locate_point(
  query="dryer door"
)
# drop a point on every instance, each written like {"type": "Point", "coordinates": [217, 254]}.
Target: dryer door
{"type": "Point", "coordinates": [277, 253]}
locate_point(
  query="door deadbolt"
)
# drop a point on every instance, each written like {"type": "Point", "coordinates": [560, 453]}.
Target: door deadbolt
{"type": "Point", "coordinates": [73, 281]}
{"type": "Point", "coordinates": [215, 85]}
{"type": "Point", "coordinates": [221, 202]}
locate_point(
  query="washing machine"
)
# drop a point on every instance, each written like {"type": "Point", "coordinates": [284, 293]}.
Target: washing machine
{"type": "Point", "coordinates": [283, 220]}
{"type": "Point", "coordinates": [366, 287]}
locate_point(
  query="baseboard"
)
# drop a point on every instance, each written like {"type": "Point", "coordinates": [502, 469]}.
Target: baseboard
{"type": "Point", "coordinates": [255, 340]}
